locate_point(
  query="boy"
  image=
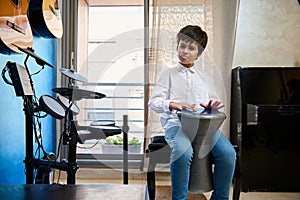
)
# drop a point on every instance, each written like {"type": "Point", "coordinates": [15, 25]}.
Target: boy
{"type": "Point", "coordinates": [186, 86]}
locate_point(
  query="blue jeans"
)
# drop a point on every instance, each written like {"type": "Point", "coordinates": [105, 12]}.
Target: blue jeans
{"type": "Point", "coordinates": [182, 153]}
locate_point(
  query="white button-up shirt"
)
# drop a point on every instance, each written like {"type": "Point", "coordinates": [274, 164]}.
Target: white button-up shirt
{"type": "Point", "coordinates": [180, 84]}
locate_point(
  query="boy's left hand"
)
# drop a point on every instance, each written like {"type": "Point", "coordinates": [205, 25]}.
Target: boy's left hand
{"type": "Point", "coordinates": [212, 105]}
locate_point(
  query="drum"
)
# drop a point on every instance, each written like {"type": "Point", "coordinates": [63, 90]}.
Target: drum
{"type": "Point", "coordinates": [66, 103]}
{"type": "Point", "coordinates": [97, 132]}
{"type": "Point", "coordinates": [109, 130]}
{"type": "Point", "coordinates": [202, 130]}
{"type": "Point", "coordinates": [52, 107]}
{"type": "Point", "coordinates": [108, 127]}
{"type": "Point", "coordinates": [103, 123]}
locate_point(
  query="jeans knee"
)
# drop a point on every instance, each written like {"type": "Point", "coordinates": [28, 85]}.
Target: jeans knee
{"type": "Point", "coordinates": [182, 155]}
{"type": "Point", "coordinates": [227, 157]}
{"type": "Point", "coordinates": [231, 156]}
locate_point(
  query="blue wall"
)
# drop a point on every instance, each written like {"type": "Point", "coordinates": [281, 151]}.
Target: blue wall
{"type": "Point", "coordinates": [12, 128]}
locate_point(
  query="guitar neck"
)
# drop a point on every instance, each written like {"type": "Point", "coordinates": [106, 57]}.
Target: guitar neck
{"type": "Point", "coordinates": [56, 5]}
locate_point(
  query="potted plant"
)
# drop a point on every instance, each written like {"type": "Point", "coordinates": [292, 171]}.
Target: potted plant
{"type": "Point", "coordinates": [114, 145]}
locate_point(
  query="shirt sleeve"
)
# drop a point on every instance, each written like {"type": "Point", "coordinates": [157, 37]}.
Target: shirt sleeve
{"type": "Point", "coordinates": [160, 99]}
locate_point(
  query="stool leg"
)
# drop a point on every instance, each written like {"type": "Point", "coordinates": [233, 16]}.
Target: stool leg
{"type": "Point", "coordinates": [236, 188]}
{"type": "Point", "coordinates": [151, 180]}
{"type": "Point", "coordinates": [237, 176]}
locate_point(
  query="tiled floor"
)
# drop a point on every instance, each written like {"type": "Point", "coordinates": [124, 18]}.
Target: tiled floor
{"type": "Point", "coordinates": [269, 196]}
{"type": "Point", "coordinates": [163, 179]}
{"type": "Point", "coordinates": [163, 193]}
{"type": "Point", "coordinates": [265, 196]}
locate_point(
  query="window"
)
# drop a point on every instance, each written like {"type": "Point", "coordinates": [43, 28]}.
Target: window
{"type": "Point", "coordinates": [115, 68]}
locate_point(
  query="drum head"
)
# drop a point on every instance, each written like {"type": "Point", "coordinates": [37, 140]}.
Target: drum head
{"type": "Point", "coordinates": [52, 107]}
{"type": "Point", "coordinates": [66, 103]}
{"type": "Point", "coordinates": [103, 123]}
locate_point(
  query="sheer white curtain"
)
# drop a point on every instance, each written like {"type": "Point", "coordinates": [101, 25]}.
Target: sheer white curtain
{"type": "Point", "coordinates": [218, 19]}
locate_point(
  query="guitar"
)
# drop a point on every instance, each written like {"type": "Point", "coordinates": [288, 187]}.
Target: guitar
{"type": "Point", "coordinates": [45, 18]}
{"type": "Point", "coordinates": [14, 26]}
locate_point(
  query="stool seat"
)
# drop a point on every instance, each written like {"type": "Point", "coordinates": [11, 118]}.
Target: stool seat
{"type": "Point", "coordinates": [157, 143]}
{"type": "Point", "coordinates": [159, 139]}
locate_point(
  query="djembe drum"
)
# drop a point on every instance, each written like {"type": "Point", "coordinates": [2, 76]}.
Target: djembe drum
{"type": "Point", "coordinates": [202, 130]}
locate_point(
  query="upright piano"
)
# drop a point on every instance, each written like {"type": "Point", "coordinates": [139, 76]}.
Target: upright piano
{"type": "Point", "coordinates": [265, 125]}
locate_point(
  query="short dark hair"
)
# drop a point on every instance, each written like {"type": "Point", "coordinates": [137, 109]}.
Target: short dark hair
{"type": "Point", "coordinates": [193, 33]}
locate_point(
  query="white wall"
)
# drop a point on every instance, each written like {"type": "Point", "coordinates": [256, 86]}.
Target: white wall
{"type": "Point", "coordinates": [268, 33]}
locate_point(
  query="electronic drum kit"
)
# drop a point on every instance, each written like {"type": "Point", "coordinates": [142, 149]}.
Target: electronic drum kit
{"type": "Point", "coordinates": [57, 107]}
{"type": "Point", "coordinates": [62, 107]}
{"type": "Point", "coordinates": [65, 102]}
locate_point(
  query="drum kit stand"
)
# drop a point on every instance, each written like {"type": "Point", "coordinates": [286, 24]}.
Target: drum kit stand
{"type": "Point", "coordinates": [63, 108]}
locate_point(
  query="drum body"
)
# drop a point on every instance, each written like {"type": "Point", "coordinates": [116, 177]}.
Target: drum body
{"type": "Point", "coordinates": [109, 130]}
{"type": "Point", "coordinates": [52, 107]}
{"type": "Point", "coordinates": [202, 130]}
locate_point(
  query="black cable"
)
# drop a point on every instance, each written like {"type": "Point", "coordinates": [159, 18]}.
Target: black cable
{"type": "Point", "coordinates": [4, 70]}
{"type": "Point", "coordinates": [36, 125]}
{"type": "Point", "coordinates": [90, 147]}
{"type": "Point", "coordinates": [33, 74]}
{"type": "Point", "coordinates": [59, 145]}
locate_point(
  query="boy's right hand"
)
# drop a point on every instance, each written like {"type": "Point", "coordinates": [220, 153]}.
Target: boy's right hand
{"type": "Point", "coordinates": [180, 105]}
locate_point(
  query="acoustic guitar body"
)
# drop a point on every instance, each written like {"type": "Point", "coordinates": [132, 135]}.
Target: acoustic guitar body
{"type": "Point", "coordinates": [45, 18]}
{"type": "Point", "coordinates": [14, 26]}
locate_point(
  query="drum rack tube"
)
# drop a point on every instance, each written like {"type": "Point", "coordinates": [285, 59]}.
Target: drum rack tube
{"type": "Point", "coordinates": [125, 130]}
{"type": "Point", "coordinates": [62, 165]}
{"type": "Point", "coordinates": [28, 140]}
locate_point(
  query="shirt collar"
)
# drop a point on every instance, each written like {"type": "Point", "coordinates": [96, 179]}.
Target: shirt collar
{"type": "Point", "coordinates": [184, 69]}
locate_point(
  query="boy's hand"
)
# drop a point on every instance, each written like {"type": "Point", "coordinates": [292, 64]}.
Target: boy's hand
{"type": "Point", "coordinates": [212, 106]}
{"type": "Point", "coordinates": [180, 105]}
